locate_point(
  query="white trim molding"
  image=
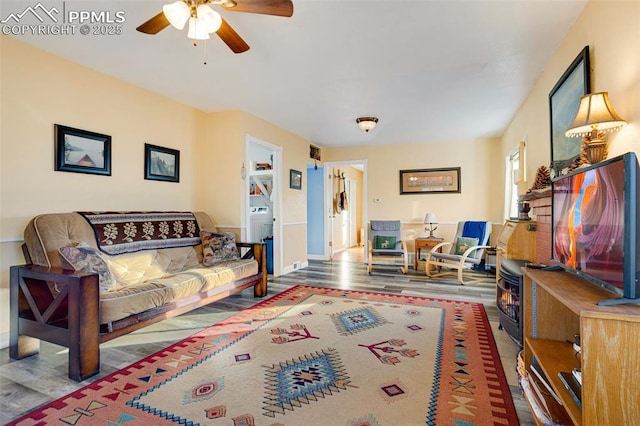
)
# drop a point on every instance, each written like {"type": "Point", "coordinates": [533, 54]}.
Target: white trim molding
{"type": "Point", "coordinates": [4, 340]}
{"type": "Point", "coordinates": [11, 240]}
{"type": "Point", "coordinates": [295, 266]}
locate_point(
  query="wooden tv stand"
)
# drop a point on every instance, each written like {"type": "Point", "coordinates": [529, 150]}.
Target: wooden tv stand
{"type": "Point", "coordinates": [558, 305]}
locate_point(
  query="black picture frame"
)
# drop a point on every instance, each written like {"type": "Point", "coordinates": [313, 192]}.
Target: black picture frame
{"type": "Point", "coordinates": [430, 181]}
{"type": "Point", "coordinates": [161, 163]}
{"type": "Point", "coordinates": [81, 151]}
{"type": "Point", "coordinates": [564, 100]}
{"type": "Point", "coordinates": [295, 179]}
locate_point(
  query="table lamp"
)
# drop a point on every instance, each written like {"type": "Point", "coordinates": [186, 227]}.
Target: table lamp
{"type": "Point", "coordinates": [595, 117]}
{"type": "Point", "coordinates": [430, 219]}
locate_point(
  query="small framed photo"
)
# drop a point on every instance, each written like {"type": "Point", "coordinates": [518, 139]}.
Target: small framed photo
{"type": "Point", "coordinates": [82, 151]}
{"type": "Point", "coordinates": [430, 181]}
{"type": "Point", "coordinates": [161, 163]}
{"type": "Point", "coordinates": [295, 179]}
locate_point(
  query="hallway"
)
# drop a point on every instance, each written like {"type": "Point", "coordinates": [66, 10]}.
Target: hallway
{"type": "Point", "coordinates": [353, 254]}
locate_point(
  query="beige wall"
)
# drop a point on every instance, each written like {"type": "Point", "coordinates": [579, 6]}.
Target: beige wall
{"type": "Point", "coordinates": [221, 183]}
{"type": "Point", "coordinates": [611, 29]}
{"type": "Point", "coordinates": [479, 199]}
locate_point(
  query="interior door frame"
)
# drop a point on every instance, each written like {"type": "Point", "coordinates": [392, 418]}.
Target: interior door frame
{"type": "Point", "coordinates": [277, 198]}
{"type": "Point", "coordinates": [353, 212]}
{"type": "Point", "coordinates": [328, 202]}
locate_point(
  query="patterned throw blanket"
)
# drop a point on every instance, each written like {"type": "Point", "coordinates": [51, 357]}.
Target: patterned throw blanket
{"type": "Point", "coordinates": [125, 232]}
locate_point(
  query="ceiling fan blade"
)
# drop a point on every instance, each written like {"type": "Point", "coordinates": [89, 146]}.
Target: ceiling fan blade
{"type": "Point", "coordinates": [154, 25]}
{"type": "Point", "coordinates": [231, 38]}
{"type": "Point", "coordinates": [264, 7]}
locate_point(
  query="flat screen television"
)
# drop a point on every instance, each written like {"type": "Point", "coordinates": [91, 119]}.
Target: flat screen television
{"type": "Point", "coordinates": [595, 225]}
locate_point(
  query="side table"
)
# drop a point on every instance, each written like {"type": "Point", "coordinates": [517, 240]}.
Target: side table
{"type": "Point", "coordinates": [424, 243]}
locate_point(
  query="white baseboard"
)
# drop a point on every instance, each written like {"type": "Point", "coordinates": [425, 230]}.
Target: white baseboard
{"type": "Point", "coordinates": [294, 267]}
{"type": "Point", "coordinates": [317, 257]}
{"type": "Point", "coordinates": [4, 340]}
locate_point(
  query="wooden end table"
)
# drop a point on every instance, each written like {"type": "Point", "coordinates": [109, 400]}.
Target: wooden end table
{"type": "Point", "coordinates": [424, 243]}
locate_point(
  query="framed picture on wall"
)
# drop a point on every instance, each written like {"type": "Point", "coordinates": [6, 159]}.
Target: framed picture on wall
{"type": "Point", "coordinates": [295, 179]}
{"type": "Point", "coordinates": [82, 151]}
{"type": "Point", "coordinates": [430, 181]}
{"type": "Point", "coordinates": [161, 163]}
{"type": "Point", "coordinates": [564, 100]}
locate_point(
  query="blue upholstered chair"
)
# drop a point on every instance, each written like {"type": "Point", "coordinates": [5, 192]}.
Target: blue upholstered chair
{"type": "Point", "coordinates": [386, 246]}
{"type": "Point", "coordinates": [466, 250]}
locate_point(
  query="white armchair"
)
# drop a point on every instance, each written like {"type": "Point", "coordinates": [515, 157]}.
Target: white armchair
{"type": "Point", "coordinates": [466, 251]}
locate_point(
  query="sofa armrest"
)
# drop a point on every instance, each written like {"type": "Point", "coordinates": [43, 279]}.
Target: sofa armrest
{"type": "Point", "coordinates": [257, 251]}
{"type": "Point", "coordinates": [70, 318]}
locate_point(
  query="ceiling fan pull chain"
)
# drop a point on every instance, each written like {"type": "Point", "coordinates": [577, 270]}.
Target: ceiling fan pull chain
{"type": "Point", "coordinates": [205, 52]}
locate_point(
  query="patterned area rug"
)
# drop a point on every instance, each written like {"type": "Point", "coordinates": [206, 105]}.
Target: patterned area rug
{"type": "Point", "coordinates": [311, 356]}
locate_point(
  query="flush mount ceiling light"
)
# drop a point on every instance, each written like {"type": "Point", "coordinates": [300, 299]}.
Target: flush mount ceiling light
{"type": "Point", "coordinates": [367, 123]}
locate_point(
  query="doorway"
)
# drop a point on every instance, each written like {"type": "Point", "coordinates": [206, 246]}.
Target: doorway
{"type": "Point", "coordinates": [263, 202]}
{"type": "Point", "coordinates": [346, 186]}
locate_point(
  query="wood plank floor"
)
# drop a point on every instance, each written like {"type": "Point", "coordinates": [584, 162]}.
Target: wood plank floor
{"type": "Point", "coordinates": [31, 382]}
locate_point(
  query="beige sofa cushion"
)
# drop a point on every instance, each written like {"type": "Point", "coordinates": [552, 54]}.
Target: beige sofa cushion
{"type": "Point", "coordinates": [135, 268]}
{"type": "Point", "coordinates": [135, 298]}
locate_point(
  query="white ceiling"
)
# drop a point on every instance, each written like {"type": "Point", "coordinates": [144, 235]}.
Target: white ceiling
{"type": "Point", "coordinates": [429, 70]}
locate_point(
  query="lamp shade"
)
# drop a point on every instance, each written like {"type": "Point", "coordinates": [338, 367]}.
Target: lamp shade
{"type": "Point", "coordinates": [177, 13]}
{"type": "Point", "coordinates": [430, 218]}
{"type": "Point", "coordinates": [595, 113]}
{"type": "Point", "coordinates": [197, 30]}
{"type": "Point", "coordinates": [209, 18]}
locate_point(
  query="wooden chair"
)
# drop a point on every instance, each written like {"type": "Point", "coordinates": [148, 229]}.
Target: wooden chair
{"type": "Point", "coordinates": [467, 250]}
{"type": "Point", "coordinates": [386, 246]}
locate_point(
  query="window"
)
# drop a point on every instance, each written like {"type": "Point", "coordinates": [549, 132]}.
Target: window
{"type": "Point", "coordinates": [514, 179]}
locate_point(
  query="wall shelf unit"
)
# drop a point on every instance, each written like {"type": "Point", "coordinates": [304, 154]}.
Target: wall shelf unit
{"type": "Point", "coordinates": [261, 184]}
{"type": "Point", "coordinates": [558, 305]}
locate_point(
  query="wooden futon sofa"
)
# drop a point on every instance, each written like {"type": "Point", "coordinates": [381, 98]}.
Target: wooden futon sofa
{"type": "Point", "coordinates": [92, 277]}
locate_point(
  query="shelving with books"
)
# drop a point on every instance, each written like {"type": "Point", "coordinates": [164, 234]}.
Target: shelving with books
{"type": "Point", "coordinates": [261, 183]}
{"type": "Point", "coordinates": [560, 305]}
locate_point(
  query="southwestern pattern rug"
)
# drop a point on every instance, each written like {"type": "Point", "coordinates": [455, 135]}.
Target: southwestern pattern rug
{"type": "Point", "coordinates": [311, 356]}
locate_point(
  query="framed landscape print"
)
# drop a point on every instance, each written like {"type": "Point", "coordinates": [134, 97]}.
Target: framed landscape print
{"type": "Point", "coordinates": [161, 163]}
{"type": "Point", "coordinates": [295, 179]}
{"type": "Point", "coordinates": [82, 151]}
{"type": "Point", "coordinates": [430, 181]}
{"type": "Point", "coordinates": [564, 100]}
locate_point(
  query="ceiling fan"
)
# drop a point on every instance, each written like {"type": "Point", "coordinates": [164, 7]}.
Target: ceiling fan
{"type": "Point", "coordinates": [203, 20]}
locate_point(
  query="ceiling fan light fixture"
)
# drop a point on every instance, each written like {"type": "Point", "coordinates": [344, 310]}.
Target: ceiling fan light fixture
{"type": "Point", "coordinates": [229, 3]}
{"type": "Point", "coordinates": [197, 30]}
{"type": "Point", "coordinates": [177, 13]}
{"type": "Point", "coordinates": [208, 18]}
{"type": "Point", "coordinates": [367, 123]}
